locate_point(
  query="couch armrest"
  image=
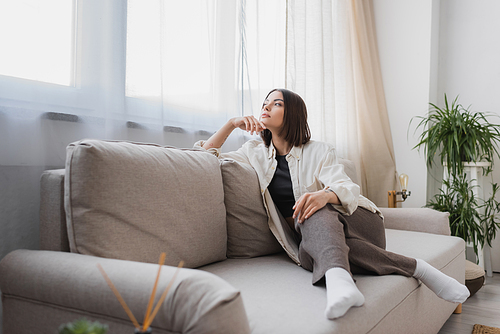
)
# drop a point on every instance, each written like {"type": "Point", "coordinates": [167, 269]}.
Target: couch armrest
{"type": "Point", "coordinates": [198, 302]}
{"type": "Point", "coordinates": [53, 231]}
{"type": "Point", "coordinates": [417, 219]}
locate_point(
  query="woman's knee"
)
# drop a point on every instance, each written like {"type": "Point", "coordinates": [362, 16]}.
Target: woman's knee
{"type": "Point", "coordinates": [325, 216]}
{"type": "Point", "coordinates": [326, 213]}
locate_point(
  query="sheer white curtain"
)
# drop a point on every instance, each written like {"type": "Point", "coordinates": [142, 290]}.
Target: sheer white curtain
{"type": "Point", "coordinates": [181, 62]}
{"type": "Point", "coordinates": [162, 71]}
{"type": "Point", "coordinates": [262, 51]}
{"type": "Point", "coordinates": [332, 62]}
{"type": "Point", "coordinates": [198, 62]}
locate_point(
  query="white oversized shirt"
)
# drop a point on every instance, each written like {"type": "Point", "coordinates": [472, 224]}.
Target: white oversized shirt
{"type": "Point", "coordinates": [313, 167]}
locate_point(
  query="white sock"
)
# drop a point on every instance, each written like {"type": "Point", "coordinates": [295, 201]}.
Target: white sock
{"type": "Point", "coordinates": [341, 293]}
{"type": "Point", "coordinates": [442, 285]}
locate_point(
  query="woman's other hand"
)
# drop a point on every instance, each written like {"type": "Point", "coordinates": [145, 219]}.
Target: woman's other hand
{"type": "Point", "coordinates": [248, 123]}
{"type": "Point", "coordinates": [309, 203]}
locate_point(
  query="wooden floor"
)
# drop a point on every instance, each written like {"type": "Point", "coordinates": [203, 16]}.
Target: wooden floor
{"type": "Point", "coordinates": [483, 308]}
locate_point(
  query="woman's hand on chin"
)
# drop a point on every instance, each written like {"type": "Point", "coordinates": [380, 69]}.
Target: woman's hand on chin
{"type": "Point", "coordinates": [248, 123]}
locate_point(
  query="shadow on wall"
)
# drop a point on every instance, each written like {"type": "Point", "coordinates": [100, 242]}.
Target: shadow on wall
{"type": "Point", "coordinates": [20, 203]}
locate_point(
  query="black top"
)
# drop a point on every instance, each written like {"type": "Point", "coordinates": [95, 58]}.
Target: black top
{"type": "Point", "coordinates": [280, 188]}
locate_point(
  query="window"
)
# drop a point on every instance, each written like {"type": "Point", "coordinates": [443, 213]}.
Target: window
{"type": "Point", "coordinates": [37, 40]}
{"type": "Point", "coordinates": [208, 58]}
{"type": "Point", "coordinates": [190, 64]}
{"type": "Point", "coordinates": [262, 51]}
{"type": "Point", "coordinates": [181, 54]}
{"type": "Point", "coordinates": [169, 39]}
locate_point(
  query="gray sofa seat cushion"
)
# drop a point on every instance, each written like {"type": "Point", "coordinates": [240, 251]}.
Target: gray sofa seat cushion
{"type": "Point", "coordinates": [133, 201]}
{"type": "Point", "coordinates": [71, 284]}
{"type": "Point", "coordinates": [275, 283]}
{"type": "Point", "coordinates": [437, 250]}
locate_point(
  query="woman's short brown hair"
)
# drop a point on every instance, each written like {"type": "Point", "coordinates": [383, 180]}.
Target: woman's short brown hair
{"type": "Point", "coordinates": [295, 129]}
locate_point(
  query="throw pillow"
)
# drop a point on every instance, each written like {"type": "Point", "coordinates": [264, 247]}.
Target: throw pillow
{"type": "Point", "coordinates": [248, 233]}
{"type": "Point", "coordinates": [132, 201]}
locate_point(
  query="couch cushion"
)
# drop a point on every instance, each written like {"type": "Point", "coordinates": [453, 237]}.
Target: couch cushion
{"type": "Point", "coordinates": [276, 283]}
{"type": "Point", "coordinates": [248, 233]}
{"type": "Point", "coordinates": [437, 250]}
{"type": "Point", "coordinates": [56, 287]}
{"type": "Point", "coordinates": [133, 201]}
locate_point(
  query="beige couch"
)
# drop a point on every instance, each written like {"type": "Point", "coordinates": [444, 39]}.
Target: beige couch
{"type": "Point", "coordinates": [121, 204]}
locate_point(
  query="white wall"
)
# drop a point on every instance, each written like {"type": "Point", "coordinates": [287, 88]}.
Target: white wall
{"type": "Point", "coordinates": [469, 65]}
{"type": "Point", "coordinates": [407, 57]}
{"type": "Point", "coordinates": [470, 52]}
{"type": "Point", "coordinates": [429, 48]}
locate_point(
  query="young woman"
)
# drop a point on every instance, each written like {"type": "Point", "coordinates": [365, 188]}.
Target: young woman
{"type": "Point", "coordinates": [315, 211]}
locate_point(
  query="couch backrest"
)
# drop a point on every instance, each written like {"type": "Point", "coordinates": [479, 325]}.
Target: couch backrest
{"type": "Point", "coordinates": [247, 230]}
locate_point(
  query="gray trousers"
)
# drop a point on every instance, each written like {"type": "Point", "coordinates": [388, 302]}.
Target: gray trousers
{"type": "Point", "coordinates": [356, 243]}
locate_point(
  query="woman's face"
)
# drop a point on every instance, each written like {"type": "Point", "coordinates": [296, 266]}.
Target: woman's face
{"type": "Point", "coordinates": [273, 111]}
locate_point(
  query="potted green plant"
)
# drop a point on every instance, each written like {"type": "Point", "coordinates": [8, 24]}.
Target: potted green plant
{"type": "Point", "coordinates": [458, 136]}
{"type": "Point", "coordinates": [457, 198]}
{"type": "Point", "coordinates": [83, 326]}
